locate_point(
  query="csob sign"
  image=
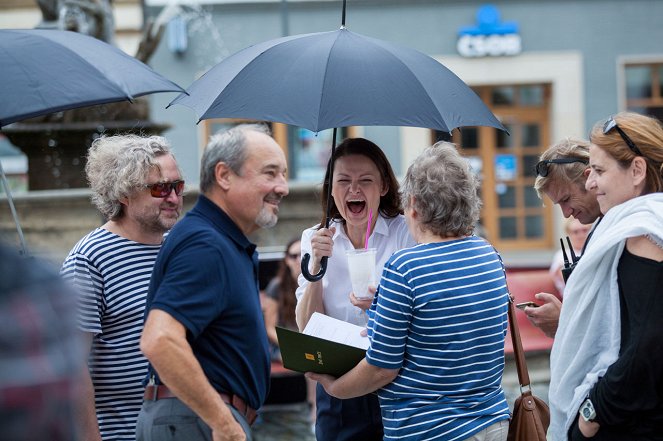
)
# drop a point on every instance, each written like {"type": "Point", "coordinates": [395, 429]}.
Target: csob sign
{"type": "Point", "coordinates": [490, 37]}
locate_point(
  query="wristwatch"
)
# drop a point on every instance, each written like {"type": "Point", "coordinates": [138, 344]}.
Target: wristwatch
{"type": "Point", "coordinates": [587, 411]}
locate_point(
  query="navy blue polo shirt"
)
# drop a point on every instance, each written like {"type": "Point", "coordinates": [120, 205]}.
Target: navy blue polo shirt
{"type": "Point", "coordinates": [206, 277]}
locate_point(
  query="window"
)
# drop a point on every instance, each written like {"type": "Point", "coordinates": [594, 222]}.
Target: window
{"type": "Point", "coordinates": [307, 152]}
{"type": "Point", "coordinates": [644, 88]}
{"type": "Point", "coordinates": [513, 217]}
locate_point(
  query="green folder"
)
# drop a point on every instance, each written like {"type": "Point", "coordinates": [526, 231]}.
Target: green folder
{"type": "Point", "coordinates": [306, 353]}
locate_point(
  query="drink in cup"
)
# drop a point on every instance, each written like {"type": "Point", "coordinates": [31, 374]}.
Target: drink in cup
{"type": "Point", "coordinates": [362, 271]}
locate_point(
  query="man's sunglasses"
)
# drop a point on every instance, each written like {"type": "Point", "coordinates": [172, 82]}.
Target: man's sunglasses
{"type": "Point", "coordinates": [543, 167]}
{"type": "Point", "coordinates": [163, 189]}
{"type": "Point", "coordinates": [612, 124]}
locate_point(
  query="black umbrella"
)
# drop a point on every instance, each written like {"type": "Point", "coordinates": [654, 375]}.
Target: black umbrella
{"type": "Point", "coordinates": [46, 71]}
{"type": "Point", "coordinates": [336, 79]}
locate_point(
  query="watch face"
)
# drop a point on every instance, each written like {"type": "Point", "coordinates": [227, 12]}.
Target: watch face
{"type": "Point", "coordinates": [587, 411]}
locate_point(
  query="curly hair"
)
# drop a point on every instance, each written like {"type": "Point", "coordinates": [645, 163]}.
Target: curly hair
{"type": "Point", "coordinates": [117, 165]}
{"type": "Point", "coordinates": [646, 133]}
{"type": "Point", "coordinates": [390, 203]}
{"type": "Point", "coordinates": [564, 175]}
{"type": "Point", "coordinates": [442, 189]}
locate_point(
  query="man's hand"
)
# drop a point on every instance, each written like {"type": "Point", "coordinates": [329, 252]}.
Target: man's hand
{"type": "Point", "coordinates": [546, 316]}
{"type": "Point", "coordinates": [232, 432]}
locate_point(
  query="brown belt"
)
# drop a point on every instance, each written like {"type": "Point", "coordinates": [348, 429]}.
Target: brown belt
{"type": "Point", "coordinates": [159, 392]}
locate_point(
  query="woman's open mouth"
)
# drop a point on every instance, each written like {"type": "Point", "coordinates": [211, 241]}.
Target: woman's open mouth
{"type": "Point", "coordinates": [356, 206]}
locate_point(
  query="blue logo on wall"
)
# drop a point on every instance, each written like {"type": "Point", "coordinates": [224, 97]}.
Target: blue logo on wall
{"type": "Point", "coordinates": [490, 36]}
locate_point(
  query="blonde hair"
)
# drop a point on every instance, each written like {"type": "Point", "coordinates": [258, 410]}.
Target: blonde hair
{"type": "Point", "coordinates": [564, 174]}
{"type": "Point", "coordinates": [646, 133]}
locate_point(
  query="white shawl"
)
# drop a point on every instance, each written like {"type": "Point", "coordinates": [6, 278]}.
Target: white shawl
{"type": "Point", "coordinates": [588, 337]}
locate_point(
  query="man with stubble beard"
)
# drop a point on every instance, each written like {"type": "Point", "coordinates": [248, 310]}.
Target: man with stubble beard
{"type": "Point", "coordinates": [137, 185]}
{"type": "Point", "coordinates": [561, 174]}
{"type": "Point", "coordinates": [204, 332]}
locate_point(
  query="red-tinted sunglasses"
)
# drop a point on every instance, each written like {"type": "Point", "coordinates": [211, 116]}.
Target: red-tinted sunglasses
{"type": "Point", "coordinates": [163, 189]}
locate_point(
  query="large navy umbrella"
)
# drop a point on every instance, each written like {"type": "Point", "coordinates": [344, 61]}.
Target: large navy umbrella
{"type": "Point", "coordinates": [336, 79]}
{"type": "Point", "coordinates": [44, 71]}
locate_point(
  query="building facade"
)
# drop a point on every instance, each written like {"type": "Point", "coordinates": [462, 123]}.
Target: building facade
{"type": "Point", "coordinates": [547, 69]}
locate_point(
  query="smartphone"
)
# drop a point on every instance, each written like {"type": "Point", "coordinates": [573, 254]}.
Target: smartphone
{"type": "Point", "coordinates": [526, 304]}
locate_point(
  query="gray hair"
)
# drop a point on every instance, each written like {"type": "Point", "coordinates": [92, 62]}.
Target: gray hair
{"type": "Point", "coordinates": [443, 190]}
{"type": "Point", "coordinates": [228, 147]}
{"type": "Point", "coordinates": [564, 175]}
{"type": "Point", "coordinates": [117, 165]}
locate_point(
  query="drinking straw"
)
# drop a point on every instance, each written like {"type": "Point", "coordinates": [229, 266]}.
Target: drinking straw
{"type": "Point", "coordinates": [368, 228]}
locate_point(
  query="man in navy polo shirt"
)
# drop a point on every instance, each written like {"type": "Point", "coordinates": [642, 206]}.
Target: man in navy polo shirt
{"type": "Point", "coordinates": [204, 334]}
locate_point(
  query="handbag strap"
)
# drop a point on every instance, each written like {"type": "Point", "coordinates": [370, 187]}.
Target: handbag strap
{"type": "Point", "coordinates": [518, 353]}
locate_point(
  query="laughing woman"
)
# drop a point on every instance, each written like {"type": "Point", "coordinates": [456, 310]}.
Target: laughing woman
{"type": "Point", "coordinates": [363, 183]}
{"type": "Point", "coordinates": [437, 324]}
{"type": "Point", "coordinates": [606, 364]}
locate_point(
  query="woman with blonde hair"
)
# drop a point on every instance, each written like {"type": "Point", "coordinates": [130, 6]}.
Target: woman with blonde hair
{"type": "Point", "coordinates": [607, 359]}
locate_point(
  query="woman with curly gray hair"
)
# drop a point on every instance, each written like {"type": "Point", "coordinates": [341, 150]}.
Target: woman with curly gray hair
{"type": "Point", "coordinates": [438, 322]}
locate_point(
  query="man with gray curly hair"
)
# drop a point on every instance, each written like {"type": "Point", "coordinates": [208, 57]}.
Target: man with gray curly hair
{"type": "Point", "coordinates": [137, 186]}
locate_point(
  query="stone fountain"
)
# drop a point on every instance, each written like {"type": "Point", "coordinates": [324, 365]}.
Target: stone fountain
{"type": "Point", "coordinates": [56, 145]}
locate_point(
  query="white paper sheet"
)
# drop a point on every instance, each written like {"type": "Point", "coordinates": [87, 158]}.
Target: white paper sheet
{"type": "Point", "coordinates": [329, 328]}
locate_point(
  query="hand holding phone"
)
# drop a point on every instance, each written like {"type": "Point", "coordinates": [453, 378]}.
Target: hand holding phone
{"type": "Point", "coordinates": [525, 305]}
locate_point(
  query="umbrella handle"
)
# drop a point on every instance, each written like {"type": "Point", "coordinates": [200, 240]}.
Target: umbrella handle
{"type": "Point", "coordinates": [313, 277]}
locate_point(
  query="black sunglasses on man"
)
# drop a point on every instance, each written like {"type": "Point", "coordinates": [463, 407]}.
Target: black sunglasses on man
{"type": "Point", "coordinates": [542, 168]}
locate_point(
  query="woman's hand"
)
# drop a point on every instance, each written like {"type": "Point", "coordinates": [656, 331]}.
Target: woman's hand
{"type": "Point", "coordinates": [326, 381]}
{"type": "Point", "coordinates": [321, 246]}
{"type": "Point", "coordinates": [588, 428]}
{"type": "Point", "coordinates": [364, 303]}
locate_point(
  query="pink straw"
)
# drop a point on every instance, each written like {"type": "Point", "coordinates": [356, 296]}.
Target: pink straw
{"type": "Point", "coordinates": [368, 228]}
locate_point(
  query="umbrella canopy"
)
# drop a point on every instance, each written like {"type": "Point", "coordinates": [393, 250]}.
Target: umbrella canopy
{"type": "Point", "coordinates": [45, 71]}
{"type": "Point", "coordinates": [336, 79]}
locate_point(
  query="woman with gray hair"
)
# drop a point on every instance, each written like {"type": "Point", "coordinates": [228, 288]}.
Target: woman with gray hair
{"type": "Point", "coordinates": [438, 322]}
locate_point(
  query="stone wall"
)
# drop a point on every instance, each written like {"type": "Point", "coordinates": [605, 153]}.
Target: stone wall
{"type": "Point", "coordinates": [54, 220]}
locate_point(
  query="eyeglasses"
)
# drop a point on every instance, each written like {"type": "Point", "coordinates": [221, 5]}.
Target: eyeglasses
{"type": "Point", "coordinates": [612, 124]}
{"type": "Point", "coordinates": [163, 189]}
{"type": "Point", "coordinates": [542, 168]}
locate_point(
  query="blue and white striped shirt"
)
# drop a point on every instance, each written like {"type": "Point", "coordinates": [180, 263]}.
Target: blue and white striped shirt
{"type": "Point", "coordinates": [440, 316]}
{"type": "Point", "coordinates": [112, 275]}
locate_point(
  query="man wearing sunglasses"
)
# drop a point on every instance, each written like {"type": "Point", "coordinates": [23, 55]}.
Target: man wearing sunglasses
{"type": "Point", "coordinates": [561, 174]}
{"type": "Point", "coordinates": [137, 186]}
{"type": "Point", "coordinates": [204, 332]}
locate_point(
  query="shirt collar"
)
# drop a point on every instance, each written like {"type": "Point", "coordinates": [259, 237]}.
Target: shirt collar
{"type": "Point", "coordinates": [381, 227]}
{"type": "Point", "coordinates": [223, 222]}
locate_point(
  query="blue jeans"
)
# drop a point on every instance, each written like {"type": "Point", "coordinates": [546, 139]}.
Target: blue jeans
{"type": "Point", "coordinates": [172, 420]}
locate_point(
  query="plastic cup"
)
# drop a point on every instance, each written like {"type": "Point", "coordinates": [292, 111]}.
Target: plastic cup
{"type": "Point", "coordinates": [361, 264]}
